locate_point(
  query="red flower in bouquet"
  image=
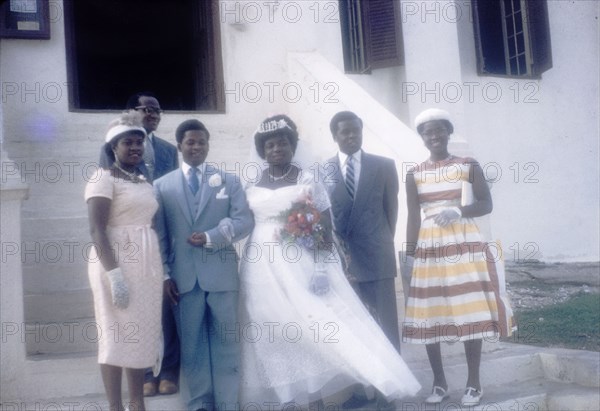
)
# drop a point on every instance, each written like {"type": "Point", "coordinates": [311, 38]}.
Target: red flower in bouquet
{"type": "Point", "coordinates": [301, 225]}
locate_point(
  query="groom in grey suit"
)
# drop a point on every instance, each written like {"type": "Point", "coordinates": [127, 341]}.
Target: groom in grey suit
{"type": "Point", "coordinates": [202, 212]}
{"type": "Point", "coordinates": [363, 189]}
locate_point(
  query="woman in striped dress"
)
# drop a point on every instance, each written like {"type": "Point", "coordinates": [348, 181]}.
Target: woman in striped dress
{"type": "Point", "coordinates": [454, 289]}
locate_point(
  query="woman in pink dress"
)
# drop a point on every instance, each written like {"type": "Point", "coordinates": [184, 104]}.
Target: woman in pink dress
{"type": "Point", "coordinates": [124, 269]}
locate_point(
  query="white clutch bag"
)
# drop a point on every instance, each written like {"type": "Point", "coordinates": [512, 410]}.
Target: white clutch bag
{"type": "Point", "coordinates": [467, 196]}
{"type": "Point", "coordinates": [483, 222]}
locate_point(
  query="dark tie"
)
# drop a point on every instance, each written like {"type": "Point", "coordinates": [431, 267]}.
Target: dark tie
{"type": "Point", "coordinates": [194, 182]}
{"type": "Point", "coordinates": [350, 176]}
{"type": "Point", "coordinates": [149, 157]}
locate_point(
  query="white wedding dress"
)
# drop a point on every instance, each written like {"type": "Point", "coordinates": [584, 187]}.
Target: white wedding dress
{"type": "Point", "coordinates": [298, 346]}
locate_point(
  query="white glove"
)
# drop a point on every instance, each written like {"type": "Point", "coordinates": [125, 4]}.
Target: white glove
{"type": "Point", "coordinates": [226, 228]}
{"type": "Point", "coordinates": [447, 216]}
{"type": "Point", "coordinates": [118, 288]}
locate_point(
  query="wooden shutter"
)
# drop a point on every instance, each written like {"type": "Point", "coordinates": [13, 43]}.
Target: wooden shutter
{"type": "Point", "coordinates": [539, 34]}
{"type": "Point", "coordinates": [383, 33]}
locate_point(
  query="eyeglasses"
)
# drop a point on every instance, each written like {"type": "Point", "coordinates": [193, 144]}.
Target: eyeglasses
{"type": "Point", "coordinates": [150, 110]}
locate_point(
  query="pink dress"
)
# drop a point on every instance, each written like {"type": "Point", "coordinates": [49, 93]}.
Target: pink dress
{"type": "Point", "coordinates": [131, 337]}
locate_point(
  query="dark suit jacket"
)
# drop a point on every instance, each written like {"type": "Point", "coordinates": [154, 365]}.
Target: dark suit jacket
{"type": "Point", "coordinates": [165, 159]}
{"type": "Point", "coordinates": [367, 225]}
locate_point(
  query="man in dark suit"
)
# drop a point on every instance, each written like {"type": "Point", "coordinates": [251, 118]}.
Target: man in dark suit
{"type": "Point", "coordinates": [160, 158]}
{"type": "Point", "coordinates": [363, 189]}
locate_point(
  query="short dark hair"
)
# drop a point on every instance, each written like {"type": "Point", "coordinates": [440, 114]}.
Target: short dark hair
{"type": "Point", "coordinates": [290, 133]}
{"type": "Point", "coordinates": [446, 123]}
{"type": "Point", "coordinates": [342, 116]}
{"type": "Point", "coordinates": [134, 100]}
{"type": "Point", "coordinates": [188, 125]}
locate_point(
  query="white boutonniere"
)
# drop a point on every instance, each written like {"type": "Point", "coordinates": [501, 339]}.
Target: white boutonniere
{"type": "Point", "coordinates": [215, 180]}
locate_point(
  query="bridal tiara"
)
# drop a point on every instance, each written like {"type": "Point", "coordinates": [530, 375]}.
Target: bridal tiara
{"type": "Point", "coordinates": [273, 125]}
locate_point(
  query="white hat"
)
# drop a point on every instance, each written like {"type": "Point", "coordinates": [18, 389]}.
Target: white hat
{"type": "Point", "coordinates": [431, 114]}
{"type": "Point", "coordinates": [127, 122]}
{"type": "Point", "coordinates": [120, 129]}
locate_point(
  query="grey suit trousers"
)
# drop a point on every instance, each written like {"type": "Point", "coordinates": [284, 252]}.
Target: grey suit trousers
{"type": "Point", "coordinates": [208, 328]}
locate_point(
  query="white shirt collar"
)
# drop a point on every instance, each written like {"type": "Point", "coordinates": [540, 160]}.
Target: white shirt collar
{"type": "Point", "coordinates": [185, 167]}
{"type": "Point", "coordinates": [343, 157]}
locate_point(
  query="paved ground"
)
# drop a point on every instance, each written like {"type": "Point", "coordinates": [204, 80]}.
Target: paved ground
{"type": "Point", "coordinates": [529, 285]}
{"type": "Point", "coordinates": [535, 284]}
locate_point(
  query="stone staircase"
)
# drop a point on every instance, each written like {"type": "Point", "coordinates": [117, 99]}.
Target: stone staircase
{"type": "Point", "coordinates": [58, 306]}
{"type": "Point", "coordinates": [514, 377]}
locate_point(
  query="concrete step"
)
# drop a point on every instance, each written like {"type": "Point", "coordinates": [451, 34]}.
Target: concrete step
{"type": "Point", "coordinates": [514, 376]}
{"type": "Point", "coordinates": [573, 398]}
{"type": "Point", "coordinates": [538, 395]}
{"type": "Point", "coordinates": [64, 338]}
{"type": "Point", "coordinates": [60, 323]}
{"type": "Point", "coordinates": [93, 403]}
{"type": "Point", "coordinates": [571, 366]}
{"type": "Point", "coordinates": [54, 254]}
{"type": "Point", "coordinates": [68, 227]}
{"type": "Point", "coordinates": [504, 363]}
{"type": "Point", "coordinates": [62, 307]}
{"type": "Point", "coordinates": [62, 276]}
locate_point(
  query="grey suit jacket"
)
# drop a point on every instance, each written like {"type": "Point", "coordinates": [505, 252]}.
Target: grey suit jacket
{"type": "Point", "coordinates": [366, 225]}
{"type": "Point", "coordinates": [215, 268]}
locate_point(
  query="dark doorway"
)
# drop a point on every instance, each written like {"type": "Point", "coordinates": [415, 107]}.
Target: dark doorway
{"type": "Point", "coordinates": [116, 48]}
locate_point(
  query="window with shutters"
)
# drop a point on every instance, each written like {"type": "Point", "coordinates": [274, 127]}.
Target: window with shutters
{"type": "Point", "coordinates": [371, 34]}
{"type": "Point", "coordinates": [512, 37]}
{"type": "Point", "coordinates": [116, 48]}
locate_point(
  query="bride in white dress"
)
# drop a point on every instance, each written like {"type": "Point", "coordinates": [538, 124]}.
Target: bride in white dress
{"type": "Point", "coordinates": [305, 334]}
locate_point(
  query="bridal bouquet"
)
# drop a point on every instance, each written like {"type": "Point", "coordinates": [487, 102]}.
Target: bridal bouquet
{"type": "Point", "coordinates": [301, 225]}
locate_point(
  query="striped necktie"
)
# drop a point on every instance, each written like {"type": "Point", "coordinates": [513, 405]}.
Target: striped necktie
{"type": "Point", "coordinates": [350, 176]}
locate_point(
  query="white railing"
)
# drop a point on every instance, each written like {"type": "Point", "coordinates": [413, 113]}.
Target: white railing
{"type": "Point", "coordinates": [333, 91]}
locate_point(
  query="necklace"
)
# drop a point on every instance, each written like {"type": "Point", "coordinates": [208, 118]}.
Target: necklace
{"type": "Point", "coordinates": [430, 161]}
{"type": "Point", "coordinates": [282, 176]}
{"type": "Point", "coordinates": [132, 176]}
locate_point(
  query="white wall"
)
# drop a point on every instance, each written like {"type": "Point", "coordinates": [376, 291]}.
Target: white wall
{"type": "Point", "coordinates": [543, 135]}
{"type": "Point", "coordinates": [555, 136]}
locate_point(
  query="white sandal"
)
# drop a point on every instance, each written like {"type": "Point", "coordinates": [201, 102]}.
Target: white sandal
{"type": "Point", "coordinates": [438, 394]}
{"type": "Point", "coordinates": [472, 397]}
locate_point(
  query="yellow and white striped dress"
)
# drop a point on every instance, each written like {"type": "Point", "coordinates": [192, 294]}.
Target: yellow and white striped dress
{"type": "Point", "coordinates": [454, 289]}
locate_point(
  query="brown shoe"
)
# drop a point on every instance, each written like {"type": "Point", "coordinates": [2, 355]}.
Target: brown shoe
{"type": "Point", "coordinates": [149, 389]}
{"type": "Point", "coordinates": [167, 387]}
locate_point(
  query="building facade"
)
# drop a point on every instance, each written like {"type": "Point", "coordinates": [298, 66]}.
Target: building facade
{"type": "Point", "coordinates": [521, 85]}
